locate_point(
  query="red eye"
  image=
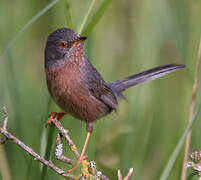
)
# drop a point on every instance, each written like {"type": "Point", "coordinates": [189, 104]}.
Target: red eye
{"type": "Point", "coordinates": [63, 44]}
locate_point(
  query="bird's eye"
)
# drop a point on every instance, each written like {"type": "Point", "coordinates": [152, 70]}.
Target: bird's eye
{"type": "Point", "coordinates": [63, 44]}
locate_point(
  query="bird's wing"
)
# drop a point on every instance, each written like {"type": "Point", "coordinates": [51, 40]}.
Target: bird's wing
{"type": "Point", "coordinates": [98, 87]}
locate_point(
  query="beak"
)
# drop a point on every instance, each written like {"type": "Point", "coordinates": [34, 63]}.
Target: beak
{"type": "Point", "coordinates": [82, 38]}
{"type": "Point", "coordinates": [79, 40]}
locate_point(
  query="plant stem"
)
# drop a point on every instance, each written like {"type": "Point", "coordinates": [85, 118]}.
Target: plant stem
{"type": "Point", "coordinates": [178, 147]}
{"type": "Point", "coordinates": [191, 112]}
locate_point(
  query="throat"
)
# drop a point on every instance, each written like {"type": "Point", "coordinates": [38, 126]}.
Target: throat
{"type": "Point", "coordinates": [74, 55]}
{"type": "Point", "coordinates": [52, 63]}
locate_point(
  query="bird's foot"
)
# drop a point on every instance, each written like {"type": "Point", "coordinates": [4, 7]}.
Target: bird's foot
{"type": "Point", "coordinates": [79, 161]}
{"type": "Point", "coordinates": [53, 117]}
{"type": "Point", "coordinates": [82, 157]}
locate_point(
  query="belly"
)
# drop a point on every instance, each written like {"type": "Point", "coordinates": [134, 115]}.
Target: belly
{"type": "Point", "coordinates": [72, 95]}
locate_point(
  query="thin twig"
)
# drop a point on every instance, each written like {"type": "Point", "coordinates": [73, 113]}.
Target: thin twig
{"type": "Point", "coordinates": [34, 154]}
{"type": "Point", "coordinates": [6, 117]}
{"type": "Point", "coordinates": [129, 174]}
{"type": "Point", "coordinates": [119, 175]}
{"type": "Point", "coordinates": [127, 177]}
{"type": "Point", "coordinates": [92, 165]}
{"type": "Point", "coordinates": [64, 133]}
{"type": "Point", "coordinates": [191, 112]}
{"type": "Point", "coordinates": [59, 151]}
{"type": "Point", "coordinates": [4, 139]}
{"type": "Point", "coordinates": [30, 151]}
{"type": "Point", "coordinates": [93, 173]}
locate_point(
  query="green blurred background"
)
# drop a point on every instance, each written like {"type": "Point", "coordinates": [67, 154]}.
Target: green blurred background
{"type": "Point", "coordinates": [132, 36]}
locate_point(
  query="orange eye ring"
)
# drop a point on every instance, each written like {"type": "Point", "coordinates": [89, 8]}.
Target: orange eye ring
{"type": "Point", "coordinates": [63, 44]}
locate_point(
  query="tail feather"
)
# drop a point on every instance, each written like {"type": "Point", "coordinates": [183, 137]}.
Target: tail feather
{"type": "Point", "coordinates": [149, 75]}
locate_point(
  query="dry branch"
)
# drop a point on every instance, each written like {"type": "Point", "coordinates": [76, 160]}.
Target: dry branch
{"type": "Point", "coordinates": [9, 136]}
{"type": "Point", "coordinates": [88, 170]}
{"type": "Point", "coordinates": [59, 151]}
{"type": "Point", "coordinates": [69, 141]}
{"type": "Point", "coordinates": [127, 177]}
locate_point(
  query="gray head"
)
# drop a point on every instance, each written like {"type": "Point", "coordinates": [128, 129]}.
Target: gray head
{"type": "Point", "coordinates": [59, 44]}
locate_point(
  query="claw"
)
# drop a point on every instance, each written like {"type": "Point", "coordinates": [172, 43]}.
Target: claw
{"type": "Point", "coordinates": [82, 156]}
{"type": "Point", "coordinates": [79, 161]}
{"type": "Point", "coordinates": [53, 117]}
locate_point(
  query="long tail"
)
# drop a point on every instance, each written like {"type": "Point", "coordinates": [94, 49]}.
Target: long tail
{"type": "Point", "coordinates": [149, 75]}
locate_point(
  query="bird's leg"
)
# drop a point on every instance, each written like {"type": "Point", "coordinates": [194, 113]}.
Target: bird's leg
{"type": "Point", "coordinates": [89, 129]}
{"type": "Point", "coordinates": [53, 116]}
{"type": "Point", "coordinates": [82, 157]}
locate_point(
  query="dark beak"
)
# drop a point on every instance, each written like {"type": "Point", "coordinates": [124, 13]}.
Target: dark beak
{"type": "Point", "coordinates": [79, 40]}
{"type": "Point", "coordinates": [82, 38]}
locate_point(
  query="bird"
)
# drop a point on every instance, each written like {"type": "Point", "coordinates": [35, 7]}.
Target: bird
{"type": "Point", "coordinates": [78, 88]}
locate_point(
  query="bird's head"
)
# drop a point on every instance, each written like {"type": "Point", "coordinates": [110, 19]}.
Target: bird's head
{"type": "Point", "coordinates": [61, 43]}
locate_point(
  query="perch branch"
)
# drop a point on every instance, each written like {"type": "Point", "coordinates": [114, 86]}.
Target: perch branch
{"type": "Point", "coordinates": [64, 133]}
{"type": "Point", "coordinates": [6, 118]}
{"type": "Point", "coordinates": [89, 169]}
{"type": "Point", "coordinates": [9, 136]}
{"type": "Point", "coordinates": [59, 151]}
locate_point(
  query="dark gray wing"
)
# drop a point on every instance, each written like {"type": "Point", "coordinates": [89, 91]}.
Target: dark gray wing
{"type": "Point", "coordinates": [98, 87]}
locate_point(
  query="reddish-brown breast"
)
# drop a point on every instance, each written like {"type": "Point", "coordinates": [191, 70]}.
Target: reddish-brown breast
{"type": "Point", "coordinates": [67, 88]}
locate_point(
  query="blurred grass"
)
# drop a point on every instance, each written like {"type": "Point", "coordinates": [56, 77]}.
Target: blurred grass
{"type": "Point", "coordinates": [131, 36]}
{"type": "Point", "coordinates": [29, 23]}
{"type": "Point", "coordinates": [86, 16]}
{"type": "Point", "coordinates": [97, 16]}
{"type": "Point", "coordinates": [177, 149]}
